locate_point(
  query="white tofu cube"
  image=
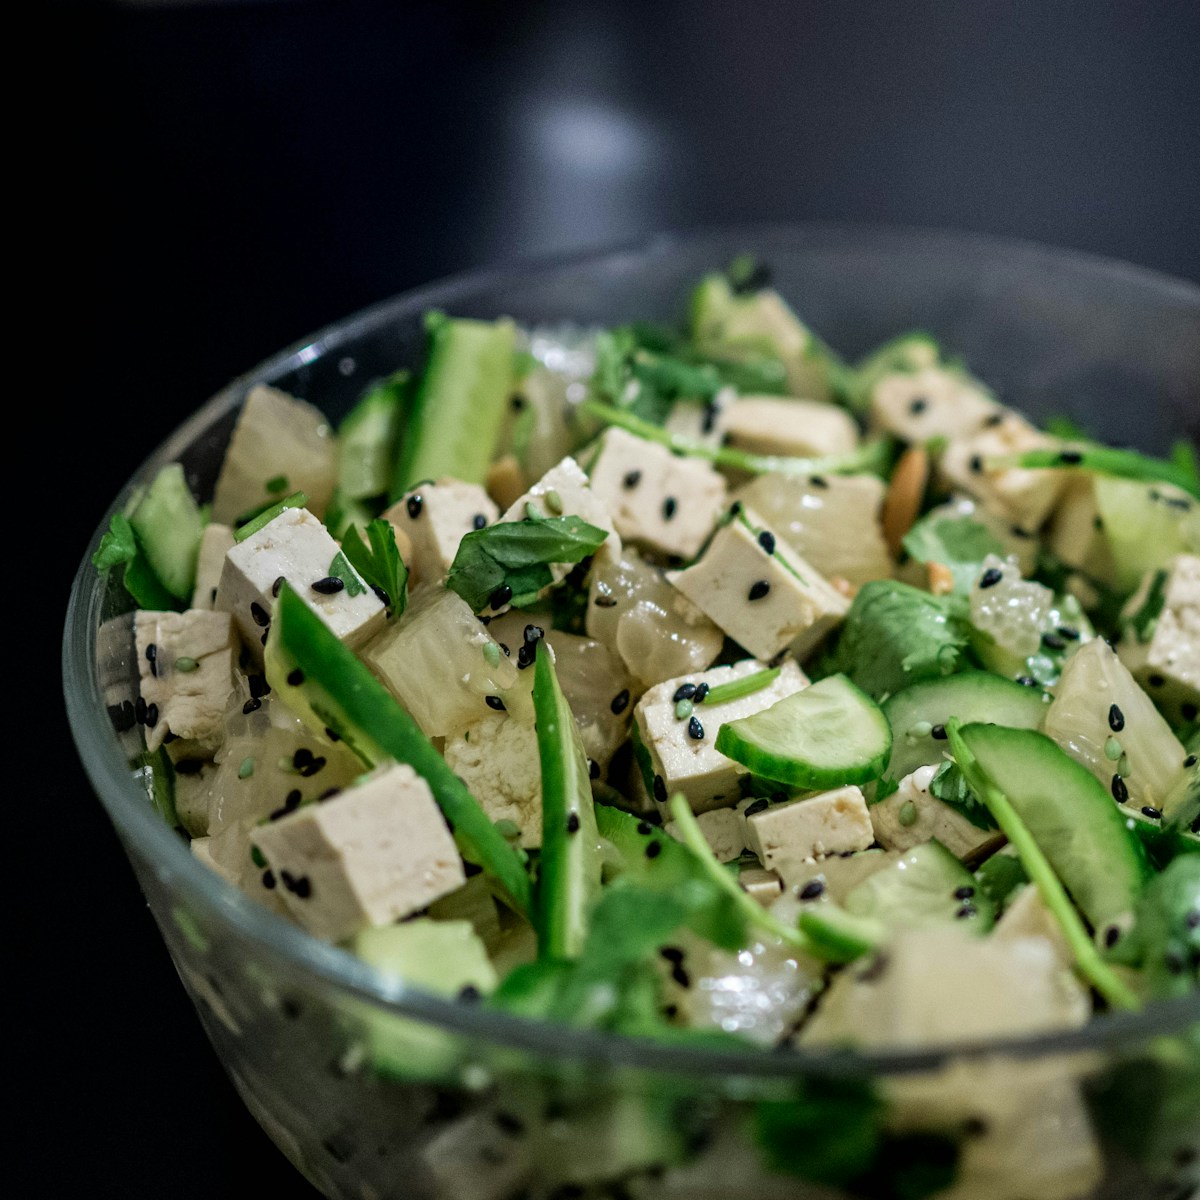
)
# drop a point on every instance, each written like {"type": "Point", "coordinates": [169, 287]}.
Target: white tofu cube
{"type": "Point", "coordinates": [680, 762]}
{"type": "Point", "coordinates": [436, 517]}
{"type": "Point", "coordinates": [785, 835]}
{"type": "Point", "coordinates": [931, 402]}
{"type": "Point", "coordinates": [279, 445]}
{"type": "Point", "coordinates": [376, 852]}
{"type": "Point", "coordinates": [658, 499]}
{"type": "Point", "coordinates": [229, 855]}
{"type": "Point", "coordinates": [1023, 496]}
{"type": "Point", "coordinates": [723, 831]}
{"type": "Point", "coordinates": [790, 427]}
{"type": "Point", "coordinates": [760, 884]}
{"type": "Point", "coordinates": [1167, 663]}
{"type": "Point", "coordinates": [215, 542]}
{"type": "Point", "coordinates": [497, 758]}
{"type": "Point", "coordinates": [185, 662]}
{"type": "Point", "coordinates": [759, 591]}
{"type": "Point", "coordinates": [701, 424]}
{"type": "Point", "coordinates": [928, 817]}
{"type": "Point", "coordinates": [294, 546]}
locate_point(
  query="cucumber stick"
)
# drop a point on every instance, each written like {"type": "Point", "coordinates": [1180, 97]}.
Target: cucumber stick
{"type": "Point", "coordinates": [459, 404]}
{"type": "Point", "coordinates": [367, 439]}
{"type": "Point", "coordinates": [168, 525]}
{"type": "Point", "coordinates": [329, 688]}
{"type": "Point", "coordinates": [569, 880]}
{"type": "Point", "coordinates": [827, 735]}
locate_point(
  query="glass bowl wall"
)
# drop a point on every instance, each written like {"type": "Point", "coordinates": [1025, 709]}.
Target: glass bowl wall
{"type": "Point", "coordinates": [375, 1091]}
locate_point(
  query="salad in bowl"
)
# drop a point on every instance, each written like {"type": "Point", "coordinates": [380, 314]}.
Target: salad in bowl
{"type": "Point", "coordinates": [686, 687]}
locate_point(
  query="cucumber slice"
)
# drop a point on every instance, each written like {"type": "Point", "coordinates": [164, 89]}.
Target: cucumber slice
{"type": "Point", "coordinates": [973, 696]}
{"type": "Point", "coordinates": [1070, 816]}
{"type": "Point", "coordinates": [1146, 524]}
{"type": "Point", "coordinates": [925, 886]}
{"type": "Point", "coordinates": [459, 405]}
{"type": "Point", "coordinates": [838, 936]}
{"type": "Point", "coordinates": [330, 689]}
{"type": "Point", "coordinates": [367, 439]}
{"type": "Point", "coordinates": [827, 735]}
{"type": "Point", "coordinates": [168, 525]}
{"type": "Point", "coordinates": [570, 860]}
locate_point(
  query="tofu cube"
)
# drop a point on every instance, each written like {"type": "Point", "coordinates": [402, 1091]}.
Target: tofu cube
{"type": "Point", "coordinates": [215, 542]}
{"type": "Point", "coordinates": [657, 499]}
{"type": "Point", "coordinates": [682, 763]}
{"type": "Point", "coordinates": [1023, 496]}
{"type": "Point", "coordinates": [370, 855]}
{"type": "Point", "coordinates": [701, 424]}
{"type": "Point", "coordinates": [723, 830]}
{"type": "Point", "coordinates": [497, 758]}
{"type": "Point", "coordinates": [931, 402]}
{"type": "Point", "coordinates": [436, 517]}
{"type": "Point", "coordinates": [928, 818]}
{"type": "Point", "coordinates": [762, 885]}
{"type": "Point", "coordinates": [787, 426]}
{"type": "Point", "coordinates": [759, 591]}
{"type": "Point", "coordinates": [185, 662]}
{"type": "Point", "coordinates": [785, 835]}
{"type": "Point", "coordinates": [1167, 663]}
{"type": "Point", "coordinates": [294, 546]}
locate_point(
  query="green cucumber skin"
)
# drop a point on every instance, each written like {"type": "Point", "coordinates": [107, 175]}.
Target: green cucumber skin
{"type": "Point", "coordinates": [339, 692]}
{"type": "Point", "coordinates": [569, 879]}
{"type": "Point", "coordinates": [458, 406]}
{"type": "Point", "coordinates": [168, 525]}
{"type": "Point", "coordinates": [735, 740]}
{"type": "Point", "coordinates": [1069, 814]}
{"type": "Point", "coordinates": [367, 438]}
{"type": "Point", "coordinates": [971, 696]}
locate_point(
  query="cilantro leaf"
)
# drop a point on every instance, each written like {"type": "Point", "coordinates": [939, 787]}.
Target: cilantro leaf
{"type": "Point", "coordinates": [518, 555]}
{"type": "Point", "coordinates": [959, 543]}
{"type": "Point", "coordinates": [381, 565]}
{"type": "Point", "coordinates": [895, 635]}
{"type": "Point", "coordinates": [949, 786]}
{"type": "Point", "coordinates": [340, 569]}
{"type": "Point", "coordinates": [117, 546]}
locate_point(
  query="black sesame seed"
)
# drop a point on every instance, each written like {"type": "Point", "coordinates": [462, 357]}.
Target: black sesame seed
{"type": "Point", "coordinates": [620, 702]}
{"type": "Point", "coordinates": [685, 691]}
{"type": "Point", "coordinates": [812, 889]}
{"type": "Point", "coordinates": [1190, 761]}
{"type": "Point", "coordinates": [1053, 642]}
{"type": "Point", "coordinates": [494, 702]}
{"type": "Point", "coordinates": [303, 888]}
{"type": "Point", "coordinates": [758, 806]}
{"type": "Point", "coordinates": [260, 615]}
{"type": "Point", "coordinates": [1111, 936]}
{"type": "Point", "coordinates": [631, 480]}
{"type": "Point", "coordinates": [263, 639]}
{"type": "Point", "coordinates": [660, 789]}
{"type": "Point", "coordinates": [1156, 680]}
{"type": "Point", "coordinates": [1187, 710]}
{"type": "Point", "coordinates": [701, 693]}
{"type": "Point", "coordinates": [1070, 458]}
{"type": "Point", "coordinates": [1027, 681]}
{"type": "Point", "coordinates": [573, 823]}
{"type": "Point", "coordinates": [593, 769]}
{"type": "Point", "coordinates": [680, 976]}
{"type": "Point", "coordinates": [606, 602]}
{"type": "Point", "coordinates": [277, 585]}
{"type": "Point", "coordinates": [974, 1127]}
{"type": "Point", "coordinates": [669, 508]}
{"type": "Point", "coordinates": [509, 1124]}
{"type": "Point", "coordinates": [918, 405]}
{"type": "Point", "coordinates": [695, 730]}
{"type": "Point", "coordinates": [139, 710]}
{"type": "Point", "coordinates": [1018, 532]}
{"type": "Point", "coordinates": [151, 715]}
{"type": "Point", "coordinates": [1155, 814]}
{"type": "Point", "coordinates": [735, 509]}
{"type": "Point", "coordinates": [469, 994]}
{"type": "Point", "coordinates": [251, 705]}
{"type": "Point", "coordinates": [330, 585]}
{"type": "Point", "coordinates": [709, 420]}
{"type": "Point", "coordinates": [479, 521]}
{"type": "Point", "coordinates": [1116, 718]}
{"type": "Point", "coordinates": [302, 758]}
{"type": "Point", "coordinates": [268, 880]}
{"type": "Point", "coordinates": [332, 734]}
{"type": "Point", "coordinates": [818, 481]}
{"type": "Point", "coordinates": [501, 596]}
{"type": "Point", "coordinates": [758, 590]}
{"type": "Point", "coordinates": [189, 766]}
{"type": "Point", "coordinates": [313, 767]}
{"type": "Point", "coordinates": [938, 733]}
{"type": "Point", "coordinates": [517, 402]}
{"type": "Point", "coordinates": [152, 659]}
{"type": "Point", "coordinates": [965, 912]}
{"type": "Point", "coordinates": [414, 504]}
{"type": "Point", "coordinates": [1119, 790]}
{"type": "Point", "coordinates": [258, 685]}
{"type": "Point", "coordinates": [1174, 963]}
{"type": "Point", "coordinates": [976, 464]}
{"type": "Point", "coordinates": [1192, 920]}
{"type": "Point", "coordinates": [653, 849]}
{"type": "Point", "coordinates": [295, 677]}
{"type": "Point", "coordinates": [645, 828]}
{"type": "Point", "coordinates": [964, 893]}
{"type": "Point", "coordinates": [766, 540]}
{"type": "Point", "coordinates": [990, 577]}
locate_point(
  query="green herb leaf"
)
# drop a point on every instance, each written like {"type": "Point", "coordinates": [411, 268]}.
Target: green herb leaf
{"type": "Point", "coordinates": [120, 547]}
{"type": "Point", "coordinates": [265, 516]}
{"type": "Point", "coordinates": [341, 569]}
{"type": "Point", "coordinates": [746, 686]}
{"type": "Point", "coordinates": [518, 554]}
{"type": "Point", "coordinates": [380, 565]}
{"type": "Point", "coordinates": [949, 786]}
{"type": "Point", "coordinates": [959, 543]}
{"type": "Point", "coordinates": [117, 546]}
{"type": "Point", "coordinates": [276, 484]}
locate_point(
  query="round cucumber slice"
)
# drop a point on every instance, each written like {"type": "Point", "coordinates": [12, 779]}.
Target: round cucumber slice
{"type": "Point", "coordinates": [828, 735]}
{"type": "Point", "coordinates": [918, 713]}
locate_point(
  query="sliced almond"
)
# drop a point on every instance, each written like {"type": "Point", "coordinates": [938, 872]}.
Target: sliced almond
{"type": "Point", "coordinates": [941, 578]}
{"type": "Point", "coordinates": [904, 495]}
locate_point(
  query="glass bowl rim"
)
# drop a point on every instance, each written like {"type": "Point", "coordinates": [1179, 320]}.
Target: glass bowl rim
{"type": "Point", "coordinates": [328, 966]}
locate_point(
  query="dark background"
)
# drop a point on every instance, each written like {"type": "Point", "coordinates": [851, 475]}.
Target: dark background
{"type": "Point", "coordinates": [218, 180]}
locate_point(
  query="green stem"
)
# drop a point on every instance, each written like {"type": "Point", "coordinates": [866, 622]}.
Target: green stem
{"type": "Point", "coordinates": [1087, 958]}
{"type": "Point", "coordinates": [1104, 460]}
{"type": "Point", "coordinates": [871, 456]}
{"type": "Point", "coordinates": [693, 838]}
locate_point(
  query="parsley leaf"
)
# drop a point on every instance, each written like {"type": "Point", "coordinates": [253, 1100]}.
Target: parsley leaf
{"type": "Point", "coordinates": [380, 565]}
{"type": "Point", "coordinates": [960, 543]}
{"type": "Point", "coordinates": [518, 555]}
{"type": "Point", "coordinates": [340, 569]}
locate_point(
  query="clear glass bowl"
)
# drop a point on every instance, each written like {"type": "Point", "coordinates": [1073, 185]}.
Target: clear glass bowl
{"type": "Point", "coordinates": [476, 1105]}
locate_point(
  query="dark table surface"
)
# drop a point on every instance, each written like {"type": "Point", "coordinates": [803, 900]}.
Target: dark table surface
{"type": "Point", "coordinates": [221, 179]}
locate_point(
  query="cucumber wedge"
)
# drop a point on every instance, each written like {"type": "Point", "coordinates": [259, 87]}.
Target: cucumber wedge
{"type": "Point", "coordinates": [570, 862]}
{"type": "Point", "coordinates": [330, 689]}
{"type": "Point", "coordinates": [1070, 816]}
{"type": "Point", "coordinates": [919, 713]}
{"type": "Point", "coordinates": [367, 439]}
{"type": "Point", "coordinates": [458, 407]}
{"type": "Point", "coordinates": [830, 734]}
{"type": "Point", "coordinates": [168, 525]}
